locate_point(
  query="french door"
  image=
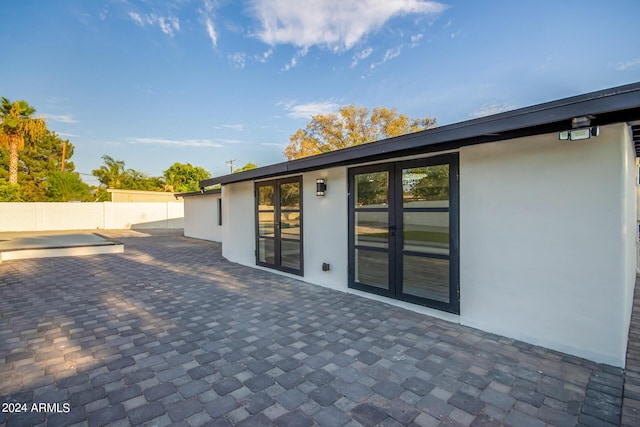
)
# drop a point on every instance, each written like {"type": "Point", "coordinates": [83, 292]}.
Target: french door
{"type": "Point", "coordinates": [279, 224]}
{"type": "Point", "coordinates": [403, 231]}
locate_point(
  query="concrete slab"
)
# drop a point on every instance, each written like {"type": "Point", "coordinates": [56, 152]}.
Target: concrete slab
{"type": "Point", "coordinates": [55, 244]}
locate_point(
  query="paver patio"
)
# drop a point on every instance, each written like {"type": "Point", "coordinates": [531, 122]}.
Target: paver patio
{"type": "Point", "coordinates": [169, 332]}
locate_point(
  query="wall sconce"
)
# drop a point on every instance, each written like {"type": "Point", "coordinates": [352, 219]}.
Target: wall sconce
{"type": "Point", "coordinates": [321, 187]}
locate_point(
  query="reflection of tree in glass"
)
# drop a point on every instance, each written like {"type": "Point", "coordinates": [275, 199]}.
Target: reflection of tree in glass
{"type": "Point", "coordinates": [371, 189]}
{"type": "Point", "coordinates": [434, 186]}
{"type": "Point", "coordinates": [290, 195]}
{"type": "Point", "coordinates": [265, 195]}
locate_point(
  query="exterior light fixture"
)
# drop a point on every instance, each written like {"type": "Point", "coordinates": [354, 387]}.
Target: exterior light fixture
{"type": "Point", "coordinates": [321, 187]}
{"type": "Point", "coordinates": [579, 134]}
{"type": "Point", "coordinates": [581, 129]}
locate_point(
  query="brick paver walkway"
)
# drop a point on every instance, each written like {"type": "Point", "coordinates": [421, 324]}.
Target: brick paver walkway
{"type": "Point", "coordinates": [170, 333]}
{"type": "Point", "coordinates": [631, 401]}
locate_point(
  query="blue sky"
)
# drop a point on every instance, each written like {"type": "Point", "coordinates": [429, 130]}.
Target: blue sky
{"type": "Point", "coordinates": [201, 81]}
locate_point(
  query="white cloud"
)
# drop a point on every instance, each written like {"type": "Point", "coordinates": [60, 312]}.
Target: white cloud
{"type": "Point", "coordinates": [176, 142]}
{"type": "Point", "coordinates": [167, 24]}
{"type": "Point", "coordinates": [265, 55]}
{"type": "Point", "coordinates": [238, 59]}
{"type": "Point", "coordinates": [629, 65]}
{"type": "Point", "coordinates": [388, 55]}
{"type": "Point", "coordinates": [290, 65]}
{"type": "Point", "coordinates": [273, 144]}
{"type": "Point", "coordinates": [207, 15]}
{"type": "Point", "coordinates": [336, 24]}
{"type": "Point", "coordinates": [136, 18]}
{"type": "Point", "coordinates": [364, 54]}
{"type": "Point", "coordinates": [66, 135]}
{"type": "Point", "coordinates": [490, 109]}
{"type": "Point", "coordinates": [415, 40]}
{"type": "Point", "coordinates": [237, 128]}
{"type": "Point", "coordinates": [306, 111]}
{"type": "Point", "coordinates": [391, 53]}
{"type": "Point", "coordinates": [62, 118]}
{"type": "Point", "coordinates": [294, 61]}
{"type": "Point", "coordinates": [455, 35]}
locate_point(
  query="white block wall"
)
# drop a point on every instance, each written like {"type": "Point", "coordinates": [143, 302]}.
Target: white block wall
{"type": "Point", "coordinates": [90, 216]}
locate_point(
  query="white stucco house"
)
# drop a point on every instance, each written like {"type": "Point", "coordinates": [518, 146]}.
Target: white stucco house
{"type": "Point", "coordinates": [522, 223]}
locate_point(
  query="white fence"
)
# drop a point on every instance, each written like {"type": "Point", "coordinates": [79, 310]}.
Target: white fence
{"type": "Point", "coordinates": [90, 216]}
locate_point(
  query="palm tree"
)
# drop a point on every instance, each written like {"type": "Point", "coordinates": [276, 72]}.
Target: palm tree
{"type": "Point", "coordinates": [111, 173]}
{"type": "Point", "coordinates": [16, 126]}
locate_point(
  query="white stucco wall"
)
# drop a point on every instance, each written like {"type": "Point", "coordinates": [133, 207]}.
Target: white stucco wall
{"type": "Point", "coordinates": [201, 217]}
{"type": "Point", "coordinates": [325, 229]}
{"type": "Point", "coordinates": [545, 243]}
{"type": "Point", "coordinates": [238, 219]}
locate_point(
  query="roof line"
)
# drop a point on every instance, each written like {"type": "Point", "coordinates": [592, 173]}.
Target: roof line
{"type": "Point", "coordinates": [534, 119]}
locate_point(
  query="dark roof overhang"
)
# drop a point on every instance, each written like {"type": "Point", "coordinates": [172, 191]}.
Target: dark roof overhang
{"type": "Point", "coordinates": [202, 192]}
{"type": "Point", "coordinates": [615, 105]}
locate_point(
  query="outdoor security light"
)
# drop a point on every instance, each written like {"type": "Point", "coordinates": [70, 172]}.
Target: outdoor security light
{"type": "Point", "coordinates": [321, 187]}
{"type": "Point", "coordinates": [579, 134]}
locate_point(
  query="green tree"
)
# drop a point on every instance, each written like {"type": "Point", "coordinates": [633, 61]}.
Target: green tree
{"type": "Point", "coordinates": [66, 187]}
{"type": "Point", "coordinates": [18, 128]}
{"type": "Point", "coordinates": [111, 174]}
{"type": "Point", "coordinates": [246, 167]}
{"type": "Point", "coordinates": [351, 126]}
{"type": "Point", "coordinates": [36, 162]}
{"type": "Point", "coordinates": [184, 178]}
{"type": "Point", "coordinates": [9, 192]}
{"type": "Point", "coordinates": [136, 180]}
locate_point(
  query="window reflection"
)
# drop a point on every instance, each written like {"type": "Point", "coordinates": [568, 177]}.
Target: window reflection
{"type": "Point", "coordinates": [265, 197]}
{"type": "Point", "coordinates": [290, 195]}
{"type": "Point", "coordinates": [426, 186]}
{"type": "Point", "coordinates": [372, 189]}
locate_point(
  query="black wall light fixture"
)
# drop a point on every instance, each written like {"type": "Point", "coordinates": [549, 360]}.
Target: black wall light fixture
{"type": "Point", "coordinates": [321, 187]}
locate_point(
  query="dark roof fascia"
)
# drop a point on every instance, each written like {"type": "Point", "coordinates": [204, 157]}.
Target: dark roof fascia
{"type": "Point", "coordinates": [199, 193]}
{"type": "Point", "coordinates": [613, 105]}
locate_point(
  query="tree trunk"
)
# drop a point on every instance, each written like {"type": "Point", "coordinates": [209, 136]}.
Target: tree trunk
{"type": "Point", "coordinates": [13, 159]}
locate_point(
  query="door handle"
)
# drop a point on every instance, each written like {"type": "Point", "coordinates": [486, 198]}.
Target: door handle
{"type": "Point", "coordinates": [392, 230]}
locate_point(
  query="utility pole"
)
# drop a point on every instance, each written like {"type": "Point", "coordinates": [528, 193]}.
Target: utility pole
{"type": "Point", "coordinates": [64, 154]}
{"type": "Point", "coordinates": [230, 163]}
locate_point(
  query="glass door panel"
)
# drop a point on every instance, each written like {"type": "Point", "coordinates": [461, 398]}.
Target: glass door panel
{"type": "Point", "coordinates": [425, 268]}
{"type": "Point", "coordinates": [290, 254]}
{"type": "Point", "coordinates": [425, 232]}
{"type": "Point", "coordinates": [372, 268]}
{"type": "Point", "coordinates": [426, 277]}
{"type": "Point", "coordinates": [266, 224]}
{"type": "Point", "coordinates": [290, 225]}
{"type": "Point", "coordinates": [425, 187]}
{"type": "Point", "coordinates": [290, 196]}
{"type": "Point", "coordinates": [372, 189]}
{"type": "Point", "coordinates": [266, 251]}
{"type": "Point", "coordinates": [371, 231]}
